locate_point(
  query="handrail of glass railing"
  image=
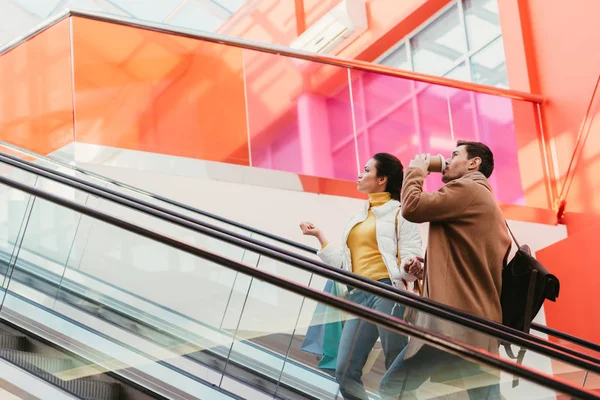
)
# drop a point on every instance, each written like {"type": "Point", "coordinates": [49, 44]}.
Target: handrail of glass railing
{"type": "Point", "coordinates": [408, 299]}
{"type": "Point", "coordinates": [395, 325]}
{"type": "Point", "coordinates": [279, 50]}
{"type": "Point", "coordinates": [582, 136]}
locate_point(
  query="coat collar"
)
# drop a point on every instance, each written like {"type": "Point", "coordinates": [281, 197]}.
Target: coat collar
{"type": "Point", "coordinates": [383, 209]}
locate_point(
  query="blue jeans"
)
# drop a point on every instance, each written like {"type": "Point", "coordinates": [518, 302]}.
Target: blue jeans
{"type": "Point", "coordinates": [404, 377]}
{"type": "Point", "coordinates": [359, 338]}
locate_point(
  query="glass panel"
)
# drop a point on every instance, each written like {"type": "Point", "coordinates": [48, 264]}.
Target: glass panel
{"type": "Point", "coordinates": [497, 128]}
{"type": "Point", "coordinates": [460, 72]}
{"type": "Point", "coordinates": [437, 133]}
{"type": "Point", "coordinates": [436, 48]}
{"type": "Point", "coordinates": [509, 128]}
{"type": "Point", "coordinates": [388, 122]}
{"type": "Point", "coordinates": [122, 288]}
{"type": "Point", "coordinates": [367, 357]}
{"type": "Point", "coordinates": [36, 103]}
{"type": "Point", "coordinates": [482, 20]}
{"type": "Point", "coordinates": [298, 121]}
{"type": "Point", "coordinates": [391, 119]}
{"type": "Point", "coordinates": [591, 381]}
{"type": "Point", "coordinates": [140, 307]}
{"type": "Point", "coordinates": [14, 218]}
{"type": "Point", "coordinates": [398, 58]}
{"type": "Point", "coordinates": [158, 93]}
{"type": "Point", "coordinates": [488, 65]}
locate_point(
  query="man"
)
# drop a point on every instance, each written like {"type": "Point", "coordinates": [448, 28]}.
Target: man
{"type": "Point", "coordinates": [467, 249]}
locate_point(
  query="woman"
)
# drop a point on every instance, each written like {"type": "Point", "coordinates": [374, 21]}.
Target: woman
{"type": "Point", "coordinates": [371, 242]}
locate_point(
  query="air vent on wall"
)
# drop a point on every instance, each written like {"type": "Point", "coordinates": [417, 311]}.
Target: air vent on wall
{"type": "Point", "coordinates": [331, 29]}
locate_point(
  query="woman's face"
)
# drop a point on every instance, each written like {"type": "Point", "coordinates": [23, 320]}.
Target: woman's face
{"type": "Point", "coordinates": [368, 181]}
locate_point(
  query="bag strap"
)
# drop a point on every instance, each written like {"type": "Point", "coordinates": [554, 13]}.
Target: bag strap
{"type": "Point", "coordinates": [512, 235]}
{"type": "Point", "coordinates": [397, 236]}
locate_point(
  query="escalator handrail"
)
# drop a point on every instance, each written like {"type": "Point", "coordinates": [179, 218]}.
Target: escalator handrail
{"type": "Point", "coordinates": [535, 326]}
{"type": "Point", "coordinates": [408, 299]}
{"type": "Point", "coordinates": [565, 336]}
{"type": "Point", "coordinates": [396, 325]}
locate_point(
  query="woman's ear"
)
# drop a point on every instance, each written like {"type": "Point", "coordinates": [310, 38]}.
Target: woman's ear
{"type": "Point", "coordinates": [382, 180]}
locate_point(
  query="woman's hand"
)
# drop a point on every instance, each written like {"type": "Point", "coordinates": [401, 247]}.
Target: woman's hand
{"type": "Point", "coordinates": [414, 266]}
{"type": "Point", "coordinates": [309, 229]}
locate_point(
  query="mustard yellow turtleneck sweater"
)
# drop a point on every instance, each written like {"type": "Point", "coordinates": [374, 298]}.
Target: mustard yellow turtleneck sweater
{"type": "Point", "coordinates": [362, 242]}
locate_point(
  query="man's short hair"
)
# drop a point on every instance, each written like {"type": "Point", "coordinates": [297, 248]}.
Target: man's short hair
{"type": "Point", "coordinates": [478, 149]}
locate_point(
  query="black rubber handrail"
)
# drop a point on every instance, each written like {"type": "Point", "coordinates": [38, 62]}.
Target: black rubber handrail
{"type": "Point", "coordinates": [396, 325]}
{"type": "Point", "coordinates": [408, 299]}
{"type": "Point", "coordinates": [565, 336]}
{"type": "Point", "coordinates": [299, 246]}
{"type": "Point", "coordinates": [481, 324]}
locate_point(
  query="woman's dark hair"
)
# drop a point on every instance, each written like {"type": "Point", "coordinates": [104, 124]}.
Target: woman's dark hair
{"type": "Point", "coordinates": [390, 167]}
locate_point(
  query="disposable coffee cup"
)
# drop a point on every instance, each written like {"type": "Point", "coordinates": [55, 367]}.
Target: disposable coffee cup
{"type": "Point", "coordinates": [437, 163]}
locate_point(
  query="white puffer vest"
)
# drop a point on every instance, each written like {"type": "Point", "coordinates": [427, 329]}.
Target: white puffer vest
{"type": "Point", "coordinates": [385, 220]}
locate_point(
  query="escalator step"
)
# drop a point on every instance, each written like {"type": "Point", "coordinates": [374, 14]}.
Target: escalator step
{"type": "Point", "coordinates": [44, 366]}
{"type": "Point", "coordinates": [89, 389]}
{"type": "Point", "coordinates": [49, 364]}
{"type": "Point", "coordinates": [12, 342]}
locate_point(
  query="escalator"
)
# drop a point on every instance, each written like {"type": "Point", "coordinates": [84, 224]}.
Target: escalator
{"type": "Point", "coordinates": [236, 344]}
{"type": "Point", "coordinates": [197, 217]}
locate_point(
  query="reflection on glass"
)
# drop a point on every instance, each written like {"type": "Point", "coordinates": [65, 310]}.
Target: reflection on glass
{"type": "Point", "coordinates": [36, 101]}
{"type": "Point", "coordinates": [399, 58]}
{"type": "Point", "coordinates": [482, 20]}
{"type": "Point", "coordinates": [175, 96]}
{"type": "Point", "coordinates": [488, 65]}
{"type": "Point", "coordinates": [386, 117]}
{"type": "Point", "coordinates": [296, 123]}
{"type": "Point", "coordinates": [439, 44]}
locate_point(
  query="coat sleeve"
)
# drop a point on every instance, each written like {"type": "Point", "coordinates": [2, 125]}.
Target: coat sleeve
{"type": "Point", "coordinates": [446, 204]}
{"type": "Point", "coordinates": [410, 245]}
{"type": "Point", "coordinates": [331, 255]}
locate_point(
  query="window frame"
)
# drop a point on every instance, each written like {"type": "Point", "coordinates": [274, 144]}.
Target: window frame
{"type": "Point", "coordinates": [464, 58]}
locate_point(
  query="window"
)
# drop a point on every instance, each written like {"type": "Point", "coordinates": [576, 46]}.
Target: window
{"type": "Point", "coordinates": [463, 41]}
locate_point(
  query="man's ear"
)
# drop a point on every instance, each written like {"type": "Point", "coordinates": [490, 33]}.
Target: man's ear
{"type": "Point", "coordinates": [474, 163]}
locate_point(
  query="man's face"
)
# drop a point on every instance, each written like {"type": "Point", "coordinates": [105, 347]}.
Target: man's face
{"type": "Point", "coordinates": [458, 164]}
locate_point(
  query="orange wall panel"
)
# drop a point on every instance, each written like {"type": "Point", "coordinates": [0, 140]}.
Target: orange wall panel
{"type": "Point", "coordinates": [574, 262]}
{"type": "Point", "coordinates": [551, 48]}
{"type": "Point", "coordinates": [36, 102]}
{"type": "Point", "coordinates": [159, 93]}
